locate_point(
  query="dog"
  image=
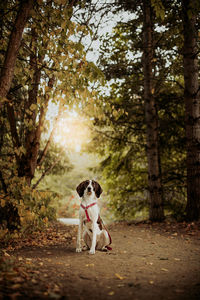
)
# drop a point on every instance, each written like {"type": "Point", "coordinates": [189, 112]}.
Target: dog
{"type": "Point", "coordinates": [91, 227]}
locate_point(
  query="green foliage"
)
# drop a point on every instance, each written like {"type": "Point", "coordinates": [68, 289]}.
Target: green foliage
{"type": "Point", "coordinates": [29, 209]}
{"type": "Point", "coordinates": [55, 155]}
{"type": "Point", "coordinates": [119, 133]}
{"type": "Point", "coordinates": [159, 8]}
{"type": "Point", "coordinates": [51, 67]}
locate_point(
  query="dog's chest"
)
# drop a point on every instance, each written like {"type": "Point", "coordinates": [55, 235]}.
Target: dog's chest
{"type": "Point", "coordinates": [90, 213]}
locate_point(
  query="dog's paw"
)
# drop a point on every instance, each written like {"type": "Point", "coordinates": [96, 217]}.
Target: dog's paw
{"type": "Point", "coordinates": [78, 250]}
{"type": "Point", "coordinates": [104, 249]}
{"type": "Point", "coordinates": [85, 247]}
{"type": "Point", "coordinates": [92, 251]}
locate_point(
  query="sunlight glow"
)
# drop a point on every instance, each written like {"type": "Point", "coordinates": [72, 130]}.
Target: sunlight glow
{"type": "Point", "coordinates": [72, 132]}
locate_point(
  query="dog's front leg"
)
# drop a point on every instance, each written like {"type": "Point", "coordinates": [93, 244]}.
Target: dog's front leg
{"type": "Point", "coordinates": [94, 238]}
{"type": "Point", "coordinates": [79, 236]}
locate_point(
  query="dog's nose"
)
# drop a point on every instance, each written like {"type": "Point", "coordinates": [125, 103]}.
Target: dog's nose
{"type": "Point", "coordinates": [89, 189]}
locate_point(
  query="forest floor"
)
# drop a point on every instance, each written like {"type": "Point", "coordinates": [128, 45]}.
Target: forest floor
{"type": "Point", "coordinates": [148, 261]}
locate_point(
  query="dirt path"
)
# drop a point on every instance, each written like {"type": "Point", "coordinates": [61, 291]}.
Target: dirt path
{"type": "Point", "coordinates": [147, 262]}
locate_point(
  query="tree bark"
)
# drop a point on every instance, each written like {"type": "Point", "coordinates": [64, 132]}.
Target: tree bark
{"type": "Point", "coordinates": [192, 109]}
{"type": "Point", "coordinates": [7, 71]}
{"type": "Point", "coordinates": [156, 211]}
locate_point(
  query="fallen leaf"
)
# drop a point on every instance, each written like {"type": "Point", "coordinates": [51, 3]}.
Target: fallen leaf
{"type": "Point", "coordinates": [56, 288]}
{"type": "Point", "coordinates": [15, 286]}
{"type": "Point", "coordinates": [67, 265]}
{"type": "Point", "coordinates": [34, 281]}
{"type": "Point", "coordinates": [19, 279]}
{"type": "Point", "coordinates": [111, 293]}
{"type": "Point", "coordinates": [120, 285]}
{"type": "Point", "coordinates": [119, 276]}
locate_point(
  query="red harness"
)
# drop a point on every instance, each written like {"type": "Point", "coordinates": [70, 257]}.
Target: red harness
{"type": "Point", "coordinates": [89, 220]}
{"type": "Point", "coordinates": [86, 208]}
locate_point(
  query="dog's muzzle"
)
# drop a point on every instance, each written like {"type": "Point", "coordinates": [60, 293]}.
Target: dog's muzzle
{"type": "Point", "coordinates": [89, 190]}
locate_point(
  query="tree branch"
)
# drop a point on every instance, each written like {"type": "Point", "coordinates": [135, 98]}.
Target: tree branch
{"type": "Point", "coordinates": [48, 170]}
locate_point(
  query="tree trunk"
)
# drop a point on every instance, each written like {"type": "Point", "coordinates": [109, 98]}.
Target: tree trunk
{"type": "Point", "coordinates": [13, 47]}
{"type": "Point", "coordinates": [192, 107]}
{"type": "Point", "coordinates": [156, 211]}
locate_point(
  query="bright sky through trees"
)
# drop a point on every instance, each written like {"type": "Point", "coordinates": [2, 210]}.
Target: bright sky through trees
{"type": "Point", "coordinates": [73, 131]}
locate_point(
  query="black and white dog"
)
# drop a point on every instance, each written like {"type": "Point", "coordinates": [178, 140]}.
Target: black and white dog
{"type": "Point", "coordinates": [90, 224]}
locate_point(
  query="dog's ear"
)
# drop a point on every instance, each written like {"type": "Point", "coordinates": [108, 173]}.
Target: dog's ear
{"type": "Point", "coordinates": [97, 188]}
{"type": "Point", "coordinates": [81, 187]}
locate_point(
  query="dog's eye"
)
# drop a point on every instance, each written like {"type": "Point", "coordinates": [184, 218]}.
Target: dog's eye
{"type": "Point", "coordinates": [86, 183]}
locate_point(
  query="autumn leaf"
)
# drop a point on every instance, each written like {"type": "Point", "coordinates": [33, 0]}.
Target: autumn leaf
{"type": "Point", "coordinates": [111, 293]}
{"type": "Point", "coordinates": [119, 276]}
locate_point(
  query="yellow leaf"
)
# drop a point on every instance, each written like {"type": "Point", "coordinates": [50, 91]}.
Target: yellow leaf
{"type": "Point", "coordinates": [119, 276]}
{"type": "Point", "coordinates": [111, 293]}
{"type": "Point", "coordinates": [42, 210]}
{"type": "Point", "coordinates": [33, 107]}
{"type": "Point", "coordinates": [89, 265]}
{"type": "Point", "coordinates": [6, 254]}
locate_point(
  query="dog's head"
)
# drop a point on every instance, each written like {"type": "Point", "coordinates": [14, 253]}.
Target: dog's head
{"type": "Point", "coordinates": [89, 188]}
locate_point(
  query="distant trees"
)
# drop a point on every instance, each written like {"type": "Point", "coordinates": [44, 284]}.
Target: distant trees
{"type": "Point", "coordinates": [146, 78]}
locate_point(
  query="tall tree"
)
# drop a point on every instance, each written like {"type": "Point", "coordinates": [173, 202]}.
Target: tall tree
{"type": "Point", "coordinates": [156, 211]}
{"type": "Point", "coordinates": [190, 11]}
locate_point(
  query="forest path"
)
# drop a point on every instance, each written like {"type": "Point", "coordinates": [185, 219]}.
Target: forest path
{"type": "Point", "coordinates": [158, 261]}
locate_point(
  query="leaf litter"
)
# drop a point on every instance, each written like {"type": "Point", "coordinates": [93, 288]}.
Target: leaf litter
{"type": "Point", "coordinates": [28, 264]}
